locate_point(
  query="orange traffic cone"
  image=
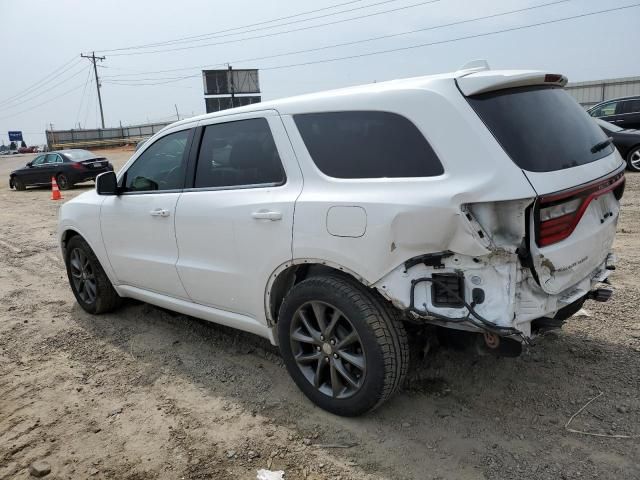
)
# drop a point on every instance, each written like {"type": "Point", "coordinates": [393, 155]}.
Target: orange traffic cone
{"type": "Point", "coordinates": [55, 191]}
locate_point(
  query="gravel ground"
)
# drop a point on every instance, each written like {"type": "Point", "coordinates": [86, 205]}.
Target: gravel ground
{"type": "Point", "coordinates": [148, 394]}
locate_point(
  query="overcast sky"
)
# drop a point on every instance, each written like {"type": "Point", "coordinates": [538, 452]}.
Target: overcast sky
{"type": "Point", "coordinates": [40, 37]}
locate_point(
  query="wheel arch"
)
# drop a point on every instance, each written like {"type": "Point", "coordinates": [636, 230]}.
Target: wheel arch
{"type": "Point", "coordinates": [288, 274]}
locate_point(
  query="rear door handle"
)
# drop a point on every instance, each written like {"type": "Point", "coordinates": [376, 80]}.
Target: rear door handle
{"type": "Point", "coordinates": [267, 215]}
{"type": "Point", "coordinates": [159, 212]}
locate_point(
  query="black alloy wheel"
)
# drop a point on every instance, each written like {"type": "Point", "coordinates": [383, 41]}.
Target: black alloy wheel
{"type": "Point", "coordinates": [82, 275]}
{"type": "Point", "coordinates": [328, 349]}
{"type": "Point", "coordinates": [88, 281]}
{"type": "Point", "coordinates": [344, 346]}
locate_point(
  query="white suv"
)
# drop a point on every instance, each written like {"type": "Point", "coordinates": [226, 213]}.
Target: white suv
{"type": "Point", "coordinates": [479, 200]}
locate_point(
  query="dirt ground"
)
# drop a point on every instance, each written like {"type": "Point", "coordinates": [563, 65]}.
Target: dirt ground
{"type": "Point", "coordinates": [147, 394]}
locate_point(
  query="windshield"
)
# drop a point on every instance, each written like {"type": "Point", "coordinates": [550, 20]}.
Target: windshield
{"type": "Point", "coordinates": [78, 155]}
{"type": "Point", "coordinates": [608, 126]}
{"type": "Point", "coordinates": [542, 129]}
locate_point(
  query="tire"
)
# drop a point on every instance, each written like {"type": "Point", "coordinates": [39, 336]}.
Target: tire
{"type": "Point", "coordinates": [339, 374]}
{"type": "Point", "coordinates": [18, 184]}
{"type": "Point", "coordinates": [89, 283]}
{"type": "Point", "coordinates": [63, 182]}
{"type": "Point", "coordinates": [633, 159]}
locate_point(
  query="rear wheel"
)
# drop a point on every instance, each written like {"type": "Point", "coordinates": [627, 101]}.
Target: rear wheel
{"type": "Point", "coordinates": [63, 182]}
{"type": "Point", "coordinates": [344, 347]}
{"type": "Point", "coordinates": [633, 159]}
{"type": "Point", "coordinates": [89, 283]}
{"type": "Point", "coordinates": [18, 184]}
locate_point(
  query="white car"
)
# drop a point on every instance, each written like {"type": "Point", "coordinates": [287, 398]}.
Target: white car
{"type": "Point", "coordinates": [478, 200]}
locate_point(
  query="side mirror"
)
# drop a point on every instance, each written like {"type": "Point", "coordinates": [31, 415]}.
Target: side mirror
{"type": "Point", "coordinates": [29, 164]}
{"type": "Point", "coordinates": [107, 184]}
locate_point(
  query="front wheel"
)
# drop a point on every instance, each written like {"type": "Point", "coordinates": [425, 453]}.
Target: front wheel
{"type": "Point", "coordinates": [344, 347]}
{"type": "Point", "coordinates": [633, 159]}
{"type": "Point", "coordinates": [18, 184]}
{"type": "Point", "coordinates": [89, 283]}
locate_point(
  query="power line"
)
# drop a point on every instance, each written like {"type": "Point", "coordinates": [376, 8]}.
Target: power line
{"type": "Point", "coordinates": [39, 83]}
{"type": "Point", "coordinates": [84, 90]}
{"type": "Point", "coordinates": [42, 92]}
{"type": "Point", "coordinates": [422, 45]}
{"type": "Point", "coordinates": [325, 47]}
{"type": "Point", "coordinates": [43, 103]}
{"type": "Point", "coordinates": [242, 27]}
{"type": "Point", "coordinates": [273, 34]}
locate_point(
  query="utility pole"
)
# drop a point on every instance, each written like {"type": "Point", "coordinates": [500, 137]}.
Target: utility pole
{"type": "Point", "coordinates": [232, 87]}
{"type": "Point", "coordinates": [177, 114]}
{"type": "Point", "coordinates": [94, 59]}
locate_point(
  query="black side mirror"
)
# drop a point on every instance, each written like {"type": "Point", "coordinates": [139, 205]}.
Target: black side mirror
{"type": "Point", "coordinates": [107, 184]}
{"type": "Point", "coordinates": [29, 164]}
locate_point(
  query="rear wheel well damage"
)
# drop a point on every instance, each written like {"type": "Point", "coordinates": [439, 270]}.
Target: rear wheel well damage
{"type": "Point", "coordinates": [290, 274]}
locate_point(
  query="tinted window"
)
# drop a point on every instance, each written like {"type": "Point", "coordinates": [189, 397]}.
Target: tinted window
{"type": "Point", "coordinates": [542, 128]}
{"type": "Point", "coordinates": [52, 158]}
{"type": "Point", "coordinates": [161, 166]}
{"type": "Point", "coordinates": [604, 110]}
{"type": "Point", "coordinates": [367, 145]}
{"type": "Point", "coordinates": [238, 153]}
{"type": "Point", "coordinates": [631, 106]}
{"type": "Point", "coordinates": [38, 160]}
{"type": "Point", "coordinates": [78, 155]}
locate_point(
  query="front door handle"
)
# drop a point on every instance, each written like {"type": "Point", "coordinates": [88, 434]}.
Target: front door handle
{"type": "Point", "coordinates": [159, 212]}
{"type": "Point", "coordinates": [267, 215]}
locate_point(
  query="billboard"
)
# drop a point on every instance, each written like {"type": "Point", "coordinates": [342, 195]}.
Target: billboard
{"type": "Point", "coordinates": [223, 103]}
{"type": "Point", "coordinates": [15, 136]}
{"type": "Point", "coordinates": [229, 81]}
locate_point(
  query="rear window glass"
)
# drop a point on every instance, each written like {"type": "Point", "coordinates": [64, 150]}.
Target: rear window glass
{"type": "Point", "coordinates": [365, 144]}
{"type": "Point", "coordinates": [542, 129]}
{"type": "Point", "coordinates": [78, 155]}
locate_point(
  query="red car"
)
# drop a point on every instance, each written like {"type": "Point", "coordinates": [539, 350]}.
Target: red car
{"type": "Point", "coordinates": [28, 150]}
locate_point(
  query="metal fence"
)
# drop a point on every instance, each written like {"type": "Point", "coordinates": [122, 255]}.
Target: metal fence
{"type": "Point", "coordinates": [101, 137]}
{"type": "Point", "coordinates": [590, 93]}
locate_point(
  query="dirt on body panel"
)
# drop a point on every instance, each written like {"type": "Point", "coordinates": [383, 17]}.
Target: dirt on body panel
{"type": "Point", "coordinates": [143, 393]}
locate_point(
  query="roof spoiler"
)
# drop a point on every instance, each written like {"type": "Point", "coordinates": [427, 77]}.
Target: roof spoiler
{"type": "Point", "coordinates": [476, 77]}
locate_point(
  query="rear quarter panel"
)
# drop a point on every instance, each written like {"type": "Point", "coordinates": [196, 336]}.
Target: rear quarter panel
{"type": "Point", "coordinates": [411, 216]}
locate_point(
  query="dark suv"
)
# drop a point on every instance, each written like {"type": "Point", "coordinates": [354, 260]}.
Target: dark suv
{"type": "Point", "coordinates": [623, 112]}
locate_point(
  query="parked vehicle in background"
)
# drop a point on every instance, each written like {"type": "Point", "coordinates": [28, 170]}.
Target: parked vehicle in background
{"type": "Point", "coordinates": [339, 224]}
{"type": "Point", "coordinates": [626, 140]}
{"type": "Point", "coordinates": [623, 112]}
{"type": "Point", "coordinates": [28, 150]}
{"type": "Point", "coordinates": [67, 166]}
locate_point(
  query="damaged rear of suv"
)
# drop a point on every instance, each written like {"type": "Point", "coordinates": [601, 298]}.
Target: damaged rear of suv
{"type": "Point", "coordinates": [338, 224]}
{"type": "Point", "coordinates": [491, 207]}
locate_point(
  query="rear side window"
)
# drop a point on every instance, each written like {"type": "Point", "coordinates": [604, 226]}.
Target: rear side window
{"type": "Point", "coordinates": [542, 129]}
{"type": "Point", "coordinates": [631, 106]}
{"type": "Point", "coordinates": [238, 153]}
{"type": "Point", "coordinates": [367, 145]}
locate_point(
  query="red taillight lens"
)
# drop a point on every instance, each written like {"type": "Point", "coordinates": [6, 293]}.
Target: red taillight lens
{"type": "Point", "coordinates": [558, 214]}
{"type": "Point", "coordinates": [77, 166]}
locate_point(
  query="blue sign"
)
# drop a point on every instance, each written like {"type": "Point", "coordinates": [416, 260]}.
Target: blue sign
{"type": "Point", "coordinates": [15, 136]}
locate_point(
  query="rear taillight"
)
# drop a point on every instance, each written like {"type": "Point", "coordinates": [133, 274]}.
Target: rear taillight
{"type": "Point", "coordinates": [77, 166]}
{"type": "Point", "coordinates": [558, 214]}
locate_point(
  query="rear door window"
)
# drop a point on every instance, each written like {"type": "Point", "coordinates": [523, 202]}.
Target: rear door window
{"type": "Point", "coordinates": [542, 129]}
{"type": "Point", "coordinates": [239, 153]}
{"type": "Point", "coordinates": [631, 106]}
{"type": "Point", "coordinates": [366, 144]}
